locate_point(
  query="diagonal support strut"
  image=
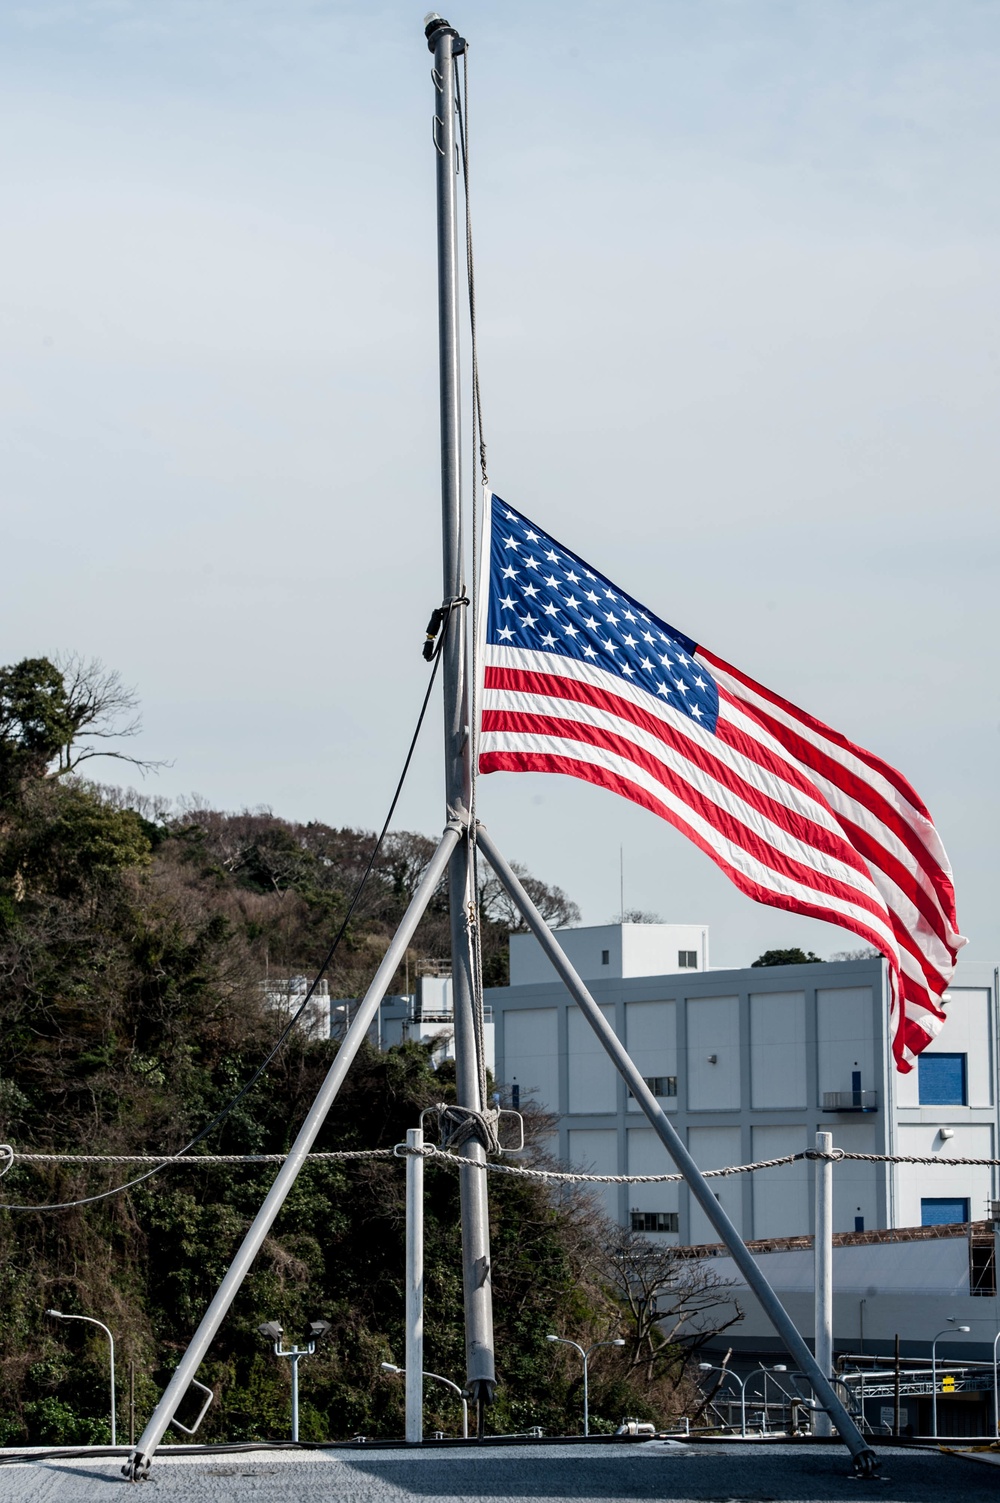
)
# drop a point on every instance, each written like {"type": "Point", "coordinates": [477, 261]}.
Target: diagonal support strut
{"type": "Point", "coordinates": [136, 1469]}
{"type": "Point", "coordinates": [865, 1460]}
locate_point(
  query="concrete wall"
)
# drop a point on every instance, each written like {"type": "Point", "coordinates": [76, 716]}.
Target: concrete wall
{"type": "Point", "coordinates": [909, 1288]}
{"type": "Point", "coordinates": [631, 950]}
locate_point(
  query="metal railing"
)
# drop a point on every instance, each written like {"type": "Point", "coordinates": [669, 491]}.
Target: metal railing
{"type": "Point", "coordinates": [850, 1101]}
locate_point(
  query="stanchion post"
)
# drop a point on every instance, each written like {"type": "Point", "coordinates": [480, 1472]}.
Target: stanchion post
{"type": "Point", "coordinates": [823, 1269]}
{"type": "Point", "coordinates": [414, 1287]}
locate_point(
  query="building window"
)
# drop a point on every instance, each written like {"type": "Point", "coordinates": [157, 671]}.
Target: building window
{"type": "Point", "coordinates": [687, 960]}
{"type": "Point", "coordinates": [859, 1223]}
{"type": "Point", "coordinates": [655, 1221]}
{"type": "Point", "coordinates": [942, 1080]}
{"type": "Point", "coordinates": [605, 957]}
{"type": "Point", "coordinates": [982, 1265]}
{"type": "Point", "coordinates": [660, 1085]}
{"type": "Point", "coordinates": [943, 1210]}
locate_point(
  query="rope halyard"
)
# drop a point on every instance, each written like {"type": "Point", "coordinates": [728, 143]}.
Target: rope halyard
{"type": "Point", "coordinates": [480, 481]}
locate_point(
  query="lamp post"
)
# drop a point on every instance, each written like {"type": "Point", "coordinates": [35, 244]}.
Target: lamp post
{"type": "Point", "coordinates": [779, 1367]}
{"type": "Point", "coordinates": [58, 1315]}
{"type": "Point", "coordinates": [390, 1367]}
{"type": "Point", "coordinates": [947, 1332]}
{"type": "Point", "coordinates": [274, 1332]}
{"type": "Point", "coordinates": [996, 1399]}
{"type": "Point", "coordinates": [708, 1367]}
{"type": "Point", "coordinates": [585, 1353]}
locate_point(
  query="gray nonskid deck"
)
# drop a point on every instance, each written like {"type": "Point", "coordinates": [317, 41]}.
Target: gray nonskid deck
{"type": "Point", "coordinates": [699, 1473]}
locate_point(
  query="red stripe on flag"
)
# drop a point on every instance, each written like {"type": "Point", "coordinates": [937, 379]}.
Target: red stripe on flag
{"type": "Point", "coordinates": [834, 737]}
{"type": "Point", "coordinates": [861, 793]}
{"type": "Point", "coordinates": [804, 832]}
{"type": "Point", "coordinates": [507, 761]}
{"type": "Point", "coordinates": [678, 735]}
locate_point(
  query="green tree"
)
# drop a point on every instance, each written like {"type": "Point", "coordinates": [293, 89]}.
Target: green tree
{"type": "Point", "coordinates": [54, 716]}
{"type": "Point", "coordinates": [35, 721]}
{"type": "Point", "coordinates": [788, 957]}
{"type": "Point", "coordinates": [134, 942]}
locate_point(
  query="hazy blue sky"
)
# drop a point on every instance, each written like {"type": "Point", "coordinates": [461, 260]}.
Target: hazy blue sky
{"type": "Point", "coordinates": [740, 342]}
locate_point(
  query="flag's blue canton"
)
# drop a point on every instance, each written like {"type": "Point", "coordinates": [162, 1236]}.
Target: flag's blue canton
{"type": "Point", "coordinates": [545, 598]}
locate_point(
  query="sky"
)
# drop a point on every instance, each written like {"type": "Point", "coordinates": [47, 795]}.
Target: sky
{"type": "Point", "coordinates": [740, 343]}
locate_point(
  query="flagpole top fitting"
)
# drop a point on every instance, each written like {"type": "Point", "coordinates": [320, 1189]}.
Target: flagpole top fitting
{"type": "Point", "coordinates": [435, 26]}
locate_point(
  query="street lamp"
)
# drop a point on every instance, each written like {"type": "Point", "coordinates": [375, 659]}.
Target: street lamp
{"type": "Point", "coordinates": [778, 1367]}
{"type": "Point", "coordinates": [274, 1332]}
{"type": "Point", "coordinates": [585, 1353]}
{"type": "Point", "coordinates": [58, 1315]}
{"type": "Point", "coordinates": [947, 1332]}
{"type": "Point", "coordinates": [708, 1367]}
{"type": "Point", "coordinates": [996, 1399]}
{"type": "Point", "coordinates": [390, 1367]}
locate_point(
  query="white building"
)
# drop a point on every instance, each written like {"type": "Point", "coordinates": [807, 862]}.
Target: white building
{"type": "Point", "coordinates": [426, 1016]}
{"type": "Point", "coordinates": [285, 994]}
{"type": "Point", "coordinates": [613, 950]}
{"type": "Point", "coordinates": [752, 1063]}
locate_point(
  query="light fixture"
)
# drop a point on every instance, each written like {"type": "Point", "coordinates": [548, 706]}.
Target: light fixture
{"type": "Point", "coordinates": [271, 1330]}
{"type": "Point", "coordinates": [946, 1133]}
{"type": "Point", "coordinates": [390, 1367]}
{"type": "Point", "coordinates": [318, 1329]}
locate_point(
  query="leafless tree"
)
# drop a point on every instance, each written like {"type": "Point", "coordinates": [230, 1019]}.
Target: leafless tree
{"type": "Point", "coordinates": [156, 807]}
{"type": "Point", "coordinates": [100, 708]}
{"type": "Point", "coordinates": [675, 1303]}
{"type": "Point", "coordinates": [556, 908]}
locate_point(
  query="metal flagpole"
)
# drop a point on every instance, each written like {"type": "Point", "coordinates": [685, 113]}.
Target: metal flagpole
{"type": "Point", "coordinates": [138, 1464]}
{"type": "Point", "coordinates": [865, 1460]}
{"type": "Point", "coordinates": [445, 43]}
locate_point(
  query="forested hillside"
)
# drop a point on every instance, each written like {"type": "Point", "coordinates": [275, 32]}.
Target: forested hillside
{"type": "Point", "coordinates": [133, 941]}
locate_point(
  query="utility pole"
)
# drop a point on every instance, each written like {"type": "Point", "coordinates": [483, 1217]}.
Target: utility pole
{"type": "Point", "coordinates": [823, 1280]}
{"type": "Point", "coordinates": [446, 45]}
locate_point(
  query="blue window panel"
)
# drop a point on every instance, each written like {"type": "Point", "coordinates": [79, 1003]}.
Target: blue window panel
{"type": "Point", "coordinates": [943, 1211]}
{"type": "Point", "coordinates": [941, 1079]}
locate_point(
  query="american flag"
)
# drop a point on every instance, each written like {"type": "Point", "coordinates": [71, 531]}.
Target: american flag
{"type": "Point", "coordinates": [579, 678]}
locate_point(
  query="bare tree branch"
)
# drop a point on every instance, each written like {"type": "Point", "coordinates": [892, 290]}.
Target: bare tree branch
{"type": "Point", "coordinates": [99, 707]}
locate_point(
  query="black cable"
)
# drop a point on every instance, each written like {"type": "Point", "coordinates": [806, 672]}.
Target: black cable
{"type": "Point", "coordinates": [230, 1106]}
